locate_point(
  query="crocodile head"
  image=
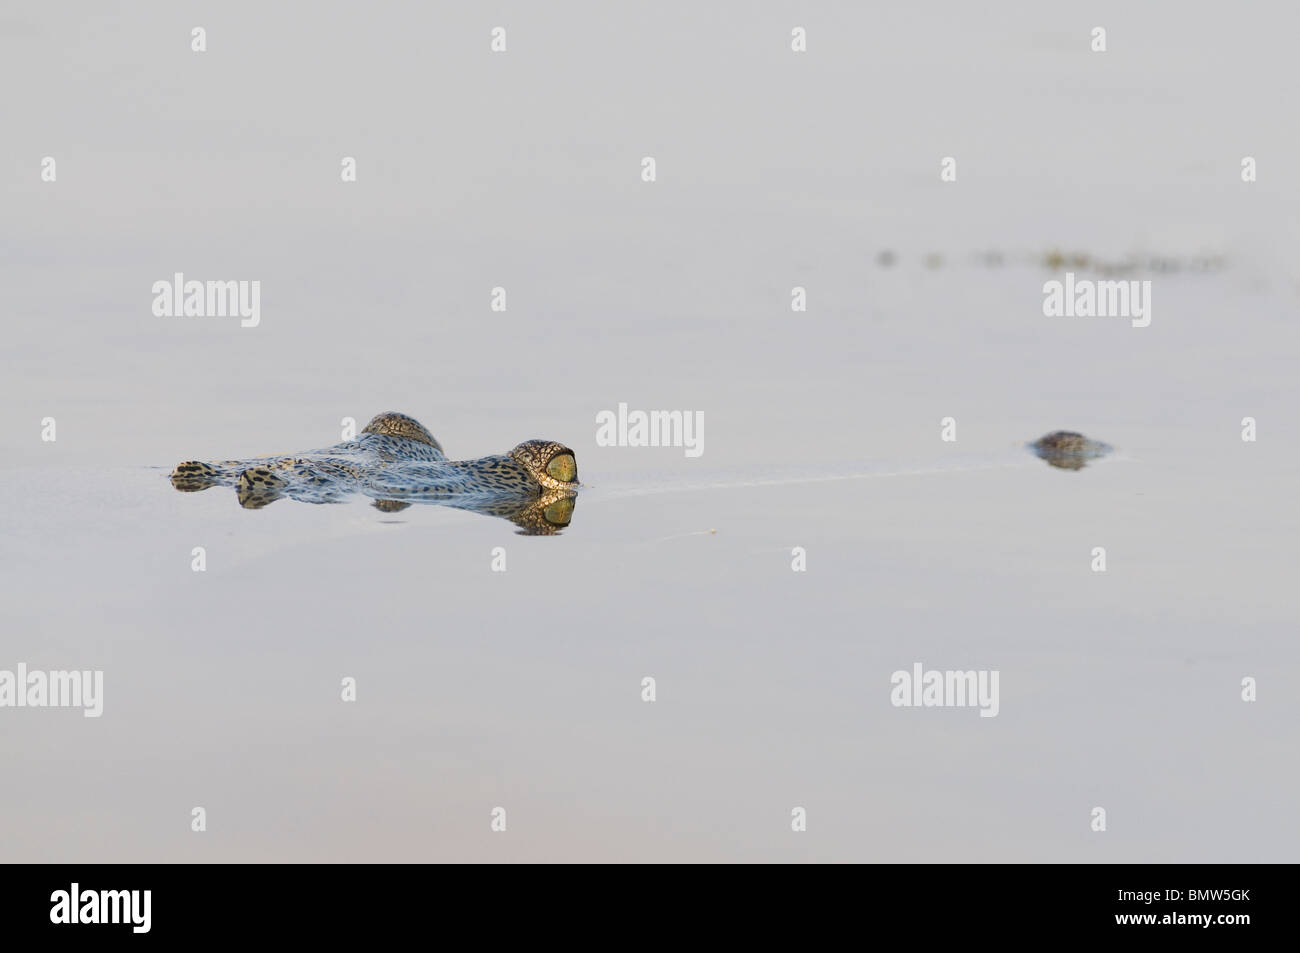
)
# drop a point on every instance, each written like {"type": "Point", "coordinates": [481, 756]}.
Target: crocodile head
{"type": "Point", "coordinates": [551, 464]}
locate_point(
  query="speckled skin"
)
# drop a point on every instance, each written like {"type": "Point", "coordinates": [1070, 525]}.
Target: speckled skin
{"type": "Point", "coordinates": [1069, 450]}
{"type": "Point", "coordinates": [397, 461]}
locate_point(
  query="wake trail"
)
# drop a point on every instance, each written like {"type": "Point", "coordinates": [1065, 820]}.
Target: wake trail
{"type": "Point", "coordinates": [796, 479]}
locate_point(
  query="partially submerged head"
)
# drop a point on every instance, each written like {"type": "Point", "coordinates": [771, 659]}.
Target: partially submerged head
{"type": "Point", "coordinates": [551, 464]}
{"type": "Point", "coordinates": [1069, 450]}
{"type": "Point", "coordinates": [393, 424]}
{"type": "Point", "coordinates": [1063, 441]}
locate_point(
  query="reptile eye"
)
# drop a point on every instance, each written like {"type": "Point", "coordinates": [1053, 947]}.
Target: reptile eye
{"type": "Point", "coordinates": [563, 468]}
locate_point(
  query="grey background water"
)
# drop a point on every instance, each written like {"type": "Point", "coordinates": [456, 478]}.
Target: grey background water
{"type": "Point", "coordinates": [522, 689]}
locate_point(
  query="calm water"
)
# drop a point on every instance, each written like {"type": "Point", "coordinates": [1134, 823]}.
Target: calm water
{"type": "Point", "coordinates": [522, 689]}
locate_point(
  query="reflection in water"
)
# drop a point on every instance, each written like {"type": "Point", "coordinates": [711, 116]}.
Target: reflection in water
{"type": "Point", "coordinates": [1068, 450]}
{"type": "Point", "coordinates": [543, 514]}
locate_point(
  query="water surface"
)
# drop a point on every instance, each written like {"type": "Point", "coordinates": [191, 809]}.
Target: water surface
{"type": "Point", "coordinates": [523, 689]}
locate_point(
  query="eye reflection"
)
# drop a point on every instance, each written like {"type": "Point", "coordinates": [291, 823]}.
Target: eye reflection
{"type": "Point", "coordinates": [560, 512]}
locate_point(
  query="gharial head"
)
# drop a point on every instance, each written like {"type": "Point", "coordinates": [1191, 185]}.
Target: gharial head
{"type": "Point", "coordinates": [552, 464]}
{"type": "Point", "coordinates": [393, 424]}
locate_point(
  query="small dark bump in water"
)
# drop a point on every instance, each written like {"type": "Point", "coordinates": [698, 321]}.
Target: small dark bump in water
{"type": "Point", "coordinates": [886, 259]}
{"type": "Point", "coordinates": [934, 260]}
{"type": "Point", "coordinates": [1068, 450]}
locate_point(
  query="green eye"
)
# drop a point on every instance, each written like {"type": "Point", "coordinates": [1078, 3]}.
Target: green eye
{"type": "Point", "coordinates": [563, 468]}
